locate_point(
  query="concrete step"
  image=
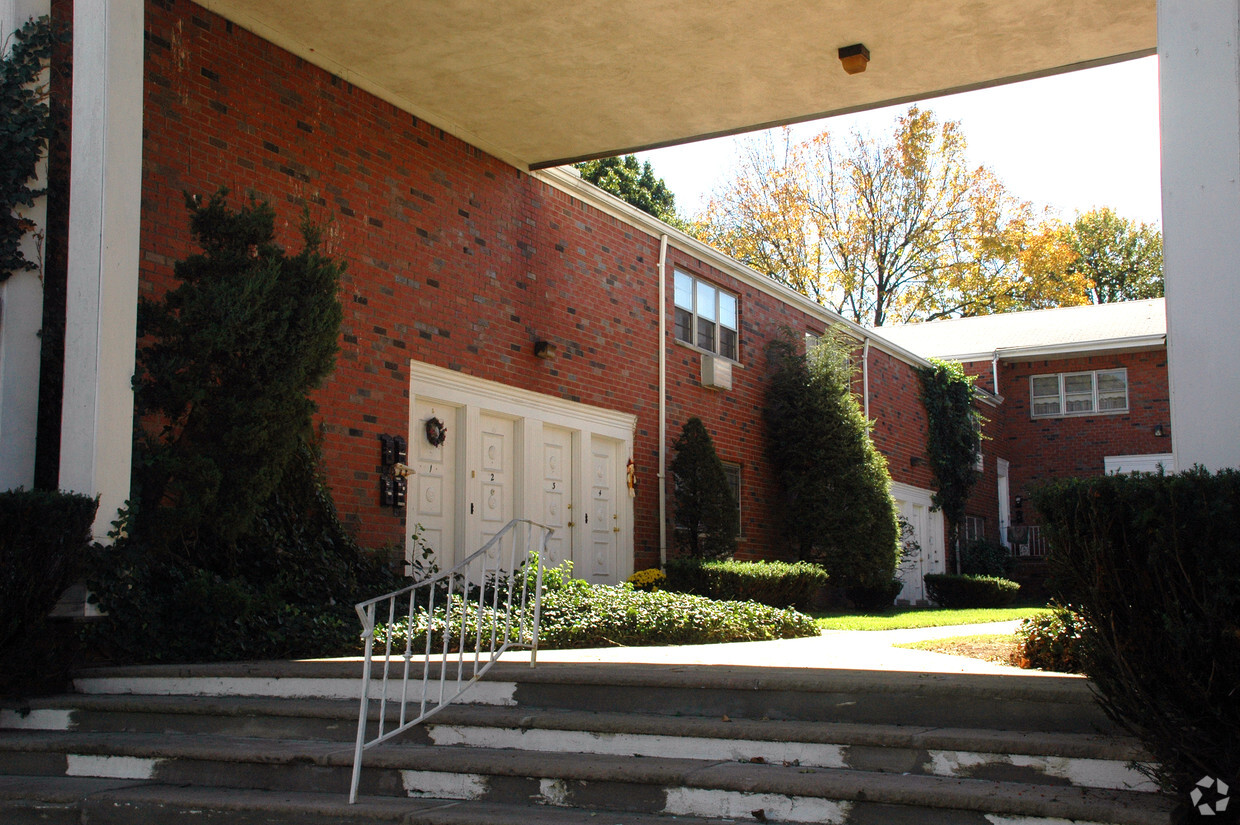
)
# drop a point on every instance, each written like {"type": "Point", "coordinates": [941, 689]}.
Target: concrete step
{"type": "Point", "coordinates": [263, 742]}
{"type": "Point", "coordinates": [26, 800]}
{"type": "Point", "coordinates": [652, 785]}
{"type": "Point", "coordinates": [1037, 702]}
{"type": "Point", "coordinates": [1085, 760]}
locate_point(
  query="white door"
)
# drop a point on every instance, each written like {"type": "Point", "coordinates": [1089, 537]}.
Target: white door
{"type": "Point", "coordinates": [432, 489]}
{"type": "Point", "coordinates": [557, 493]}
{"type": "Point", "coordinates": [491, 505]}
{"type": "Point", "coordinates": [913, 565]}
{"type": "Point", "coordinates": [913, 504]}
{"type": "Point", "coordinates": [603, 515]}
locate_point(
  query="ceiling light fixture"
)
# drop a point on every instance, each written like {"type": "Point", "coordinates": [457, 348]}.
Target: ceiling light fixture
{"type": "Point", "coordinates": [854, 58]}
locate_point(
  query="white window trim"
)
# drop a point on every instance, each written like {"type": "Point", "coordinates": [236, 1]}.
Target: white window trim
{"type": "Point", "coordinates": [694, 313]}
{"type": "Point", "coordinates": [1093, 379]}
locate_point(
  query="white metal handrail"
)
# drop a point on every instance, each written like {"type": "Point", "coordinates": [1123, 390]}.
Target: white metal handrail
{"type": "Point", "coordinates": [490, 585]}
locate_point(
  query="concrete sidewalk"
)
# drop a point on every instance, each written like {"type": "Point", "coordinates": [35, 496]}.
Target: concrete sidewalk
{"type": "Point", "coordinates": [838, 649]}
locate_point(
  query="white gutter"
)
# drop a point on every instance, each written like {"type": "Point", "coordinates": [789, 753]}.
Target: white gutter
{"type": "Point", "coordinates": [994, 372]}
{"type": "Point", "coordinates": [865, 376]}
{"type": "Point", "coordinates": [662, 399]}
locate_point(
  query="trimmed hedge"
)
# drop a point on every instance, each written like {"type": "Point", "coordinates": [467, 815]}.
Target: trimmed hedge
{"type": "Point", "coordinates": [1051, 641]}
{"type": "Point", "coordinates": [985, 558]}
{"type": "Point", "coordinates": [774, 583]}
{"type": "Point", "coordinates": [1152, 564]}
{"type": "Point", "coordinates": [43, 538]}
{"type": "Point", "coordinates": [970, 591]}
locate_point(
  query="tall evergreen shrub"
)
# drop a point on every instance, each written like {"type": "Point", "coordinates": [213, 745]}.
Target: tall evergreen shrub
{"type": "Point", "coordinates": [230, 358]}
{"type": "Point", "coordinates": [706, 510]}
{"type": "Point", "coordinates": [835, 506]}
{"type": "Point", "coordinates": [233, 549]}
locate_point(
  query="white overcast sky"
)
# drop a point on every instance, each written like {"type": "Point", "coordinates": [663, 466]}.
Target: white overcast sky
{"type": "Point", "coordinates": [1070, 142]}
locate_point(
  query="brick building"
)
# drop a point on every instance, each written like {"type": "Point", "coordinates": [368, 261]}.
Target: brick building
{"type": "Point", "coordinates": [535, 319]}
{"type": "Point", "coordinates": [1076, 391]}
{"type": "Point", "coordinates": [427, 141]}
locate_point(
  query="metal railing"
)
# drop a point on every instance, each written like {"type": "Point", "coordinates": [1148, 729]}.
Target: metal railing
{"type": "Point", "coordinates": [483, 603]}
{"type": "Point", "coordinates": [1027, 541]}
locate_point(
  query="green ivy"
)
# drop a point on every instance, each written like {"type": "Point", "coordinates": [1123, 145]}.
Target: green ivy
{"type": "Point", "coordinates": [25, 128]}
{"type": "Point", "coordinates": [954, 438]}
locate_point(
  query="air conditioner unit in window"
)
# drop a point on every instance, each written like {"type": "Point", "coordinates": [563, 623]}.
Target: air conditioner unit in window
{"type": "Point", "coordinates": [716, 372]}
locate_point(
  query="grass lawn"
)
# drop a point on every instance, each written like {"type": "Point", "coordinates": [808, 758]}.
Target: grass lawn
{"type": "Point", "coordinates": [902, 618]}
{"type": "Point", "coordinates": [999, 648]}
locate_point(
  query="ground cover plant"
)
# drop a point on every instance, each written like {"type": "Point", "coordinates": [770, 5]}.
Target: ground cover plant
{"type": "Point", "coordinates": [577, 614]}
{"type": "Point", "coordinates": [1152, 565]}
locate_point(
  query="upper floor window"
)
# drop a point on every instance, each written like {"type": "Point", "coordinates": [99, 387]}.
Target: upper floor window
{"type": "Point", "coordinates": [1079, 393]}
{"type": "Point", "coordinates": [705, 316]}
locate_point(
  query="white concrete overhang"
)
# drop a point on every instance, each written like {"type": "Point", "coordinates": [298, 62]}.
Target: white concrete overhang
{"type": "Point", "coordinates": [540, 83]}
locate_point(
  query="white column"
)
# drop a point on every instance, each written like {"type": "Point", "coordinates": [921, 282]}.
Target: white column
{"type": "Point", "coordinates": [21, 312]}
{"type": "Point", "coordinates": [104, 207]}
{"type": "Point", "coordinates": [1199, 90]}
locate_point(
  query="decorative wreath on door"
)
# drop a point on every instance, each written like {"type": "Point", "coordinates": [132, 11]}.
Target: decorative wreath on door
{"type": "Point", "coordinates": [436, 432]}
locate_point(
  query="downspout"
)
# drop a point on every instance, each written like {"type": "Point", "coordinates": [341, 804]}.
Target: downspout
{"type": "Point", "coordinates": [994, 372]}
{"type": "Point", "coordinates": [662, 400]}
{"type": "Point", "coordinates": [865, 377]}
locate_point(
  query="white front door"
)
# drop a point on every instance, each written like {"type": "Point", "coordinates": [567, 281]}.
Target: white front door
{"type": "Point", "coordinates": [603, 516]}
{"type": "Point", "coordinates": [557, 493]}
{"type": "Point", "coordinates": [432, 489]}
{"type": "Point", "coordinates": [491, 505]}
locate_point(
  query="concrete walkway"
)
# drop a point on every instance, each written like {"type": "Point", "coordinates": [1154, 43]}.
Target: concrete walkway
{"type": "Point", "coordinates": [839, 649]}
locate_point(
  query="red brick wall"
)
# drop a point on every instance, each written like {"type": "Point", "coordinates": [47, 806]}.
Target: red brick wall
{"type": "Point", "coordinates": [900, 419]}
{"type": "Point", "coordinates": [454, 259]}
{"type": "Point", "coordinates": [1048, 448]}
{"type": "Point", "coordinates": [1039, 450]}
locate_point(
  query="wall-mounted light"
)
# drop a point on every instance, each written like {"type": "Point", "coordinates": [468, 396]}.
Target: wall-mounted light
{"type": "Point", "coordinates": [1159, 432]}
{"type": "Point", "coordinates": [545, 350]}
{"type": "Point", "coordinates": [854, 58]}
{"type": "Point", "coordinates": [915, 461]}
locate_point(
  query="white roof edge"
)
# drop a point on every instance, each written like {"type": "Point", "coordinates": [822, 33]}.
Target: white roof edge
{"type": "Point", "coordinates": [1096, 345]}
{"type": "Point", "coordinates": [573, 184]}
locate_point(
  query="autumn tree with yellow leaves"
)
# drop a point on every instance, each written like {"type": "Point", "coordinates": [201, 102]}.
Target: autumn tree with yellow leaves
{"type": "Point", "coordinates": [889, 231]}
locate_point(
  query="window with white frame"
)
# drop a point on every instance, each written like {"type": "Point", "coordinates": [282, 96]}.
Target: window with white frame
{"type": "Point", "coordinates": [974, 528]}
{"type": "Point", "coordinates": [705, 316]}
{"type": "Point", "coordinates": [1078, 393]}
